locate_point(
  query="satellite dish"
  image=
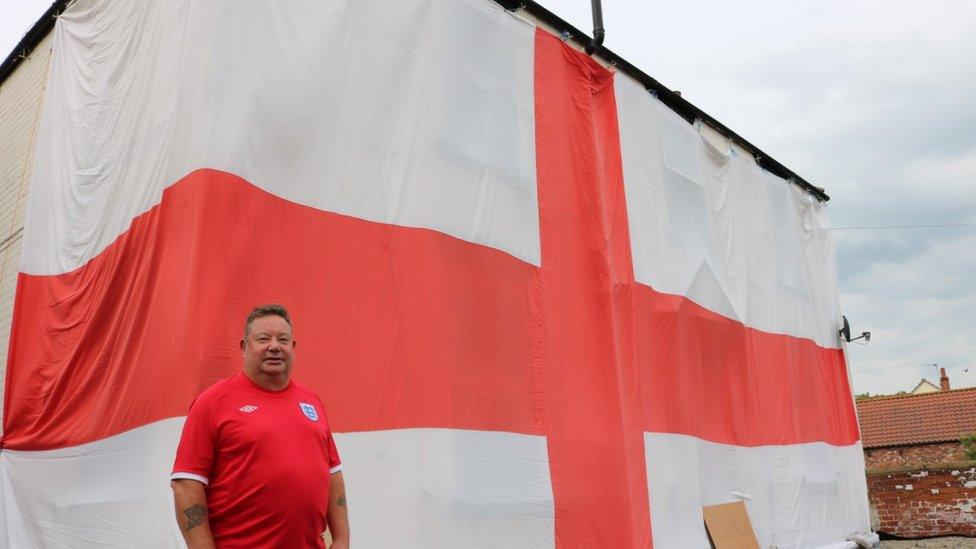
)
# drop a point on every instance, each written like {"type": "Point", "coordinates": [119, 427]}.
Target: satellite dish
{"type": "Point", "coordinates": [845, 332]}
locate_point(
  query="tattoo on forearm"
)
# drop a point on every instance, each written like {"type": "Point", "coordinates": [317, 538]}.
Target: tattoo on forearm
{"type": "Point", "coordinates": [195, 515]}
{"type": "Point", "coordinates": [341, 502]}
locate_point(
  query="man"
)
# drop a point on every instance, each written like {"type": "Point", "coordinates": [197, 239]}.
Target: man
{"type": "Point", "coordinates": [257, 465]}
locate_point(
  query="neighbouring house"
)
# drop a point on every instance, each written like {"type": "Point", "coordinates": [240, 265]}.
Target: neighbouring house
{"type": "Point", "coordinates": [926, 386]}
{"type": "Point", "coordinates": [919, 480]}
{"type": "Point", "coordinates": [918, 428]}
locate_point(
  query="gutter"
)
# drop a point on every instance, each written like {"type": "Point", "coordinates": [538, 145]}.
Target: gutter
{"type": "Point", "coordinates": [32, 38]}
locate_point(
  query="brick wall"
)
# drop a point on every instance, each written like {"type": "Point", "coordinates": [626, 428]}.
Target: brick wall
{"type": "Point", "coordinates": [21, 97]}
{"type": "Point", "coordinates": [918, 455]}
{"type": "Point", "coordinates": [922, 502]}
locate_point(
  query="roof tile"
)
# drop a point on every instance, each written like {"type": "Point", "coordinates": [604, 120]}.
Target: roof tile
{"type": "Point", "coordinates": [917, 419]}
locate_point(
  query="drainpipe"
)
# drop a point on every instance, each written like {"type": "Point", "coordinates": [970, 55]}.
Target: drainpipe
{"type": "Point", "coordinates": [598, 31]}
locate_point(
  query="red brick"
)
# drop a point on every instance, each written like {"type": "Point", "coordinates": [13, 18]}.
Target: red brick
{"type": "Point", "coordinates": [919, 512]}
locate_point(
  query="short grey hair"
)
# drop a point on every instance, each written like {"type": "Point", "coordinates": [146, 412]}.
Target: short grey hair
{"type": "Point", "coordinates": [269, 309]}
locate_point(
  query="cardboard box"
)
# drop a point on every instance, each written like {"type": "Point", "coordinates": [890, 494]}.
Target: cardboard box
{"type": "Point", "coordinates": [729, 527]}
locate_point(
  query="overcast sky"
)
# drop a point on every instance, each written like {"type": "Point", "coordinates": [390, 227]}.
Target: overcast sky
{"type": "Point", "coordinates": [873, 100]}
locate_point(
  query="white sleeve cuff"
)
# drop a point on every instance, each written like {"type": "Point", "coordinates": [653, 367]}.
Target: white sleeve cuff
{"type": "Point", "coordinates": [335, 469]}
{"type": "Point", "coordinates": [191, 476]}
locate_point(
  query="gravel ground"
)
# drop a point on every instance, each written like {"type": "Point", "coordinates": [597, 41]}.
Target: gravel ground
{"type": "Point", "coordinates": [937, 543]}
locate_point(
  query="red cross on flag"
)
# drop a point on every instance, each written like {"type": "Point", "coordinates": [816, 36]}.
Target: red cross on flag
{"type": "Point", "coordinates": [542, 310]}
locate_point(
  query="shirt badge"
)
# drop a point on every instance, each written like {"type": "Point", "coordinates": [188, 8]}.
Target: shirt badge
{"type": "Point", "coordinates": [247, 408]}
{"type": "Point", "coordinates": [309, 411]}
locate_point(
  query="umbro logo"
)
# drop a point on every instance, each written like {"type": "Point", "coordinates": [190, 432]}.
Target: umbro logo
{"type": "Point", "coordinates": [247, 408]}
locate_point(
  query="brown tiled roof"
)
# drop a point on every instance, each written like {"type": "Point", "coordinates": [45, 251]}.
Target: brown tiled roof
{"type": "Point", "coordinates": [917, 419]}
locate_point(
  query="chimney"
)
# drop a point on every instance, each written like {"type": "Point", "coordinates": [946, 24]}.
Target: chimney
{"type": "Point", "coordinates": [944, 380]}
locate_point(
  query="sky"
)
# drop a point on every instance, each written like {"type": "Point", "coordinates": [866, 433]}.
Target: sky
{"type": "Point", "coordinates": [872, 100]}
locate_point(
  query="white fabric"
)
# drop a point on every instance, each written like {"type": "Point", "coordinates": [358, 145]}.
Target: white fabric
{"type": "Point", "coordinates": [110, 493]}
{"type": "Point", "coordinates": [802, 495]}
{"type": "Point", "coordinates": [714, 227]}
{"type": "Point", "coordinates": [414, 113]}
{"type": "Point", "coordinates": [448, 488]}
{"type": "Point", "coordinates": [411, 488]}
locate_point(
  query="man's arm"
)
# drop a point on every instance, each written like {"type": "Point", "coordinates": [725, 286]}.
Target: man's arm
{"type": "Point", "coordinates": [338, 517]}
{"type": "Point", "coordinates": [191, 513]}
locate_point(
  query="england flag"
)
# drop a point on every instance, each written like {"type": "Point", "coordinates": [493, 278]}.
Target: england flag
{"type": "Point", "coordinates": [542, 310]}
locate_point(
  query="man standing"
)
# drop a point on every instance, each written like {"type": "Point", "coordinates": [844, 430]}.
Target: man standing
{"type": "Point", "coordinates": [257, 465]}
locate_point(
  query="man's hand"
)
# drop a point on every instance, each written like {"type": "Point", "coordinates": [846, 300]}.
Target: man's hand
{"type": "Point", "coordinates": [190, 497]}
{"type": "Point", "coordinates": [338, 515]}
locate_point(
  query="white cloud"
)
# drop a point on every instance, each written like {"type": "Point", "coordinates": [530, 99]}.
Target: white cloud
{"type": "Point", "coordinates": [920, 309]}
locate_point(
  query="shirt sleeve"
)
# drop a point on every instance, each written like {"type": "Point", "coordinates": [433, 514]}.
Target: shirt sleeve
{"type": "Point", "coordinates": [194, 456]}
{"type": "Point", "coordinates": [335, 465]}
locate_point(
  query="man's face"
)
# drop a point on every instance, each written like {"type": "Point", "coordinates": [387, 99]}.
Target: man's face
{"type": "Point", "coordinates": [268, 348]}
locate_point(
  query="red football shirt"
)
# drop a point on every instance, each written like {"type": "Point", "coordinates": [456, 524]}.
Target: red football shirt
{"type": "Point", "coordinates": [265, 457]}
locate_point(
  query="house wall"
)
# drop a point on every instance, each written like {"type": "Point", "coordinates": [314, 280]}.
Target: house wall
{"type": "Point", "coordinates": [916, 455]}
{"type": "Point", "coordinates": [21, 97]}
{"type": "Point", "coordinates": [923, 502]}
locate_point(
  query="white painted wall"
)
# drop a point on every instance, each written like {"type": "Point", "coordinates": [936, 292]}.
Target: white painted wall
{"type": "Point", "coordinates": [21, 97]}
